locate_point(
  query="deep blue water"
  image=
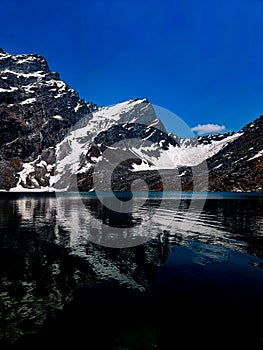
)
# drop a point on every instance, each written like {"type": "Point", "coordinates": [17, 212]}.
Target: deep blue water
{"type": "Point", "coordinates": [196, 280]}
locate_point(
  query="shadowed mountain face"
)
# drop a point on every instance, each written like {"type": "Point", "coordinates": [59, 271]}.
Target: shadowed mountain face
{"type": "Point", "coordinates": [47, 130]}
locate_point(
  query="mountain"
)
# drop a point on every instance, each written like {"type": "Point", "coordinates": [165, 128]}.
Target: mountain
{"type": "Point", "coordinates": [52, 139]}
{"type": "Point", "coordinates": [36, 111]}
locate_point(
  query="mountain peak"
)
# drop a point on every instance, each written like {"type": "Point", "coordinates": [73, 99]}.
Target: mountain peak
{"type": "Point", "coordinates": [23, 63]}
{"type": "Point", "coordinates": [2, 51]}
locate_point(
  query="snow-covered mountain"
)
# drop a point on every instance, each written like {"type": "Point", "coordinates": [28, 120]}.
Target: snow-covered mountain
{"type": "Point", "coordinates": [50, 138]}
{"type": "Point", "coordinates": [36, 111]}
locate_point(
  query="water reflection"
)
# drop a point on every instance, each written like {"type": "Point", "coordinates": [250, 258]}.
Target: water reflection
{"type": "Point", "coordinates": [42, 264]}
{"type": "Point", "coordinates": [234, 224]}
{"type": "Point", "coordinates": [46, 267]}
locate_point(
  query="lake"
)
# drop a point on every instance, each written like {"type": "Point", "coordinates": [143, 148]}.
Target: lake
{"type": "Point", "coordinates": [178, 271]}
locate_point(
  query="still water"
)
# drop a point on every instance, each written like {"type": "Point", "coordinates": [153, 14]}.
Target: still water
{"type": "Point", "coordinates": [185, 273]}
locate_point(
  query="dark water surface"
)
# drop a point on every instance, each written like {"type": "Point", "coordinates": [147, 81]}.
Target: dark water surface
{"type": "Point", "coordinates": [198, 282]}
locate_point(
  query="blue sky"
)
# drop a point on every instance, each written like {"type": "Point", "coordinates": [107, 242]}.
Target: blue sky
{"type": "Point", "coordinates": [202, 60]}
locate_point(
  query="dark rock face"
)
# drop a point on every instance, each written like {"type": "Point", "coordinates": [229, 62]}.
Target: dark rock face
{"type": "Point", "coordinates": [239, 166]}
{"type": "Point", "coordinates": [36, 107]}
{"type": "Point", "coordinates": [7, 178]}
{"type": "Point", "coordinates": [134, 130]}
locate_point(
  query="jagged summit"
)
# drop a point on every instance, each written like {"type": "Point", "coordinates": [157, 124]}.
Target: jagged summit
{"type": "Point", "coordinates": [22, 63]}
{"type": "Point", "coordinates": [2, 51]}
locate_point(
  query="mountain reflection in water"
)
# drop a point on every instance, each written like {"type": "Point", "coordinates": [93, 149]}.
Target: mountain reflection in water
{"type": "Point", "coordinates": [58, 288]}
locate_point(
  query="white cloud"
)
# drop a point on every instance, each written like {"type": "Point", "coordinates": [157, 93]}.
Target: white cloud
{"type": "Point", "coordinates": [208, 129]}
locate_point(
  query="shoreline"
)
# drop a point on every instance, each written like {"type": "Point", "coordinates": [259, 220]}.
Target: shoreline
{"type": "Point", "coordinates": [150, 194]}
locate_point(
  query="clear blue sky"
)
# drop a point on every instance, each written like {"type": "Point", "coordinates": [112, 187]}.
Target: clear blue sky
{"type": "Point", "coordinates": [201, 59]}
